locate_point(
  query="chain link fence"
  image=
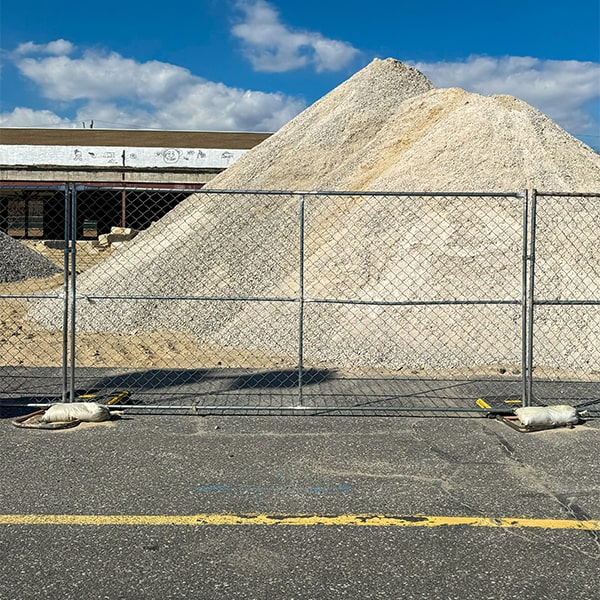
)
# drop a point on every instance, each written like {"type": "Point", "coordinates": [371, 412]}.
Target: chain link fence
{"type": "Point", "coordinates": [564, 307]}
{"type": "Point", "coordinates": [33, 268]}
{"type": "Point", "coordinates": [310, 303]}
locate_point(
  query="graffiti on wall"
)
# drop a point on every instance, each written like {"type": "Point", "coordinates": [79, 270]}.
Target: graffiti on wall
{"type": "Point", "coordinates": [107, 156]}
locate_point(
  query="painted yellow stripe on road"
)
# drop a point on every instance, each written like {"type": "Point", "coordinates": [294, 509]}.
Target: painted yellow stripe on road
{"type": "Point", "coordinates": [360, 520]}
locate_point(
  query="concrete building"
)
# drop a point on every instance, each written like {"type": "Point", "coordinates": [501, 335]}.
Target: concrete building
{"type": "Point", "coordinates": [153, 171]}
{"type": "Point", "coordinates": [175, 157]}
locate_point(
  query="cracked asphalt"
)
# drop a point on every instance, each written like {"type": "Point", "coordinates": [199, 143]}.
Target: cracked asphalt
{"type": "Point", "coordinates": [167, 465]}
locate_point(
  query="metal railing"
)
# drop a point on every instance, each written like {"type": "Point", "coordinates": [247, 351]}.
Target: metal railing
{"type": "Point", "coordinates": [317, 302]}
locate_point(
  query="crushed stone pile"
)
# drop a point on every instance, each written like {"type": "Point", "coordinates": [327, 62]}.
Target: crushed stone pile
{"type": "Point", "coordinates": [17, 262]}
{"type": "Point", "coordinates": [387, 128]}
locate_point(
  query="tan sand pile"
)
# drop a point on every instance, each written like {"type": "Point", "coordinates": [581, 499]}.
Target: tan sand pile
{"type": "Point", "coordinates": [388, 129]}
{"type": "Point", "coordinates": [439, 140]}
{"type": "Point", "coordinates": [313, 149]}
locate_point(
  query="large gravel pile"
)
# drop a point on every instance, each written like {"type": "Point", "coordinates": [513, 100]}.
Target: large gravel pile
{"type": "Point", "coordinates": [386, 128]}
{"type": "Point", "coordinates": [17, 262]}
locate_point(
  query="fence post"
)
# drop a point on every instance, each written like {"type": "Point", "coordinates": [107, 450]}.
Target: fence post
{"type": "Point", "coordinates": [73, 250]}
{"type": "Point", "coordinates": [524, 273]}
{"type": "Point", "coordinates": [301, 302]}
{"type": "Point", "coordinates": [66, 266]}
{"type": "Point", "coordinates": [530, 300]}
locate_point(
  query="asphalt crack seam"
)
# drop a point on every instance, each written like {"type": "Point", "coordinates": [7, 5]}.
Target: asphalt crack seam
{"type": "Point", "coordinates": [535, 478]}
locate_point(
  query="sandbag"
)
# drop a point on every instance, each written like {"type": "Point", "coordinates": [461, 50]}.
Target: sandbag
{"type": "Point", "coordinates": [76, 411]}
{"type": "Point", "coordinates": [549, 416]}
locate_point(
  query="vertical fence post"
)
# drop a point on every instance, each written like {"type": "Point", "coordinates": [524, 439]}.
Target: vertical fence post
{"type": "Point", "coordinates": [530, 299]}
{"type": "Point", "coordinates": [301, 302]}
{"type": "Point", "coordinates": [66, 267]}
{"type": "Point", "coordinates": [524, 314]}
{"type": "Point", "coordinates": [123, 206]}
{"type": "Point", "coordinates": [73, 289]}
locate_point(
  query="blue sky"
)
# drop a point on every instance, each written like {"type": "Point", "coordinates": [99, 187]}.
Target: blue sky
{"type": "Point", "coordinates": [251, 65]}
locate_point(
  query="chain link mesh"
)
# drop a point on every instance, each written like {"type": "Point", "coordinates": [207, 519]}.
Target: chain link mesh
{"type": "Point", "coordinates": [199, 308]}
{"type": "Point", "coordinates": [32, 263]}
{"type": "Point", "coordinates": [278, 300]}
{"type": "Point", "coordinates": [263, 300]}
{"type": "Point", "coordinates": [414, 301]}
{"type": "Point", "coordinates": [566, 300]}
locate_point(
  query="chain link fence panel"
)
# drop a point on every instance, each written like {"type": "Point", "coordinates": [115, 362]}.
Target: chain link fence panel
{"type": "Point", "coordinates": [414, 301]}
{"type": "Point", "coordinates": [278, 301]}
{"type": "Point", "coordinates": [32, 266]}
{"type": "Point", "coordinates": [565, 300]}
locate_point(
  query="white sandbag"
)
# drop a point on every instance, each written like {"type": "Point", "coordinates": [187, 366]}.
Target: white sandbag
{"type": "Point", "coordinates": [561, 414]}
{"type": "Point", "coordinates": [77, 411]}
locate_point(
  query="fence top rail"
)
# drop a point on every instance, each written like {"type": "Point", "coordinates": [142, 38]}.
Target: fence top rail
{"type": "Point", "coordinates": [183, 188]}
{"type": "Point", "coordinates": [567, 194]}
{"type": "Point", "coordinates": [32, 185]}
{"type": "Point", "coordinates": [197, 188]}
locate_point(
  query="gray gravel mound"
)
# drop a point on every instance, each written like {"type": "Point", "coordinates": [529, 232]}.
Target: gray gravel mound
{"type": "Point", "coordinates": [17, 262]}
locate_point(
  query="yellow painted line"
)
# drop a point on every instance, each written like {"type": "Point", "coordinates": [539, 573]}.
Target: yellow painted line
{"type": "Point", "coordinates": [360, 520]}
{"type": "Point", "coordinates": [482, 403]}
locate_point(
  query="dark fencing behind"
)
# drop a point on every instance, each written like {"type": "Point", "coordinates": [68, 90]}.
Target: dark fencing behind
{"type": "Point", "coordinates": [336, 302]}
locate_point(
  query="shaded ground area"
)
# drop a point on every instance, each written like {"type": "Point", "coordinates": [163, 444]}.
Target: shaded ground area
{"type": "Point", "coordinates": [327, 391]}
{"type": "Point", "coordinates": [249, 389]}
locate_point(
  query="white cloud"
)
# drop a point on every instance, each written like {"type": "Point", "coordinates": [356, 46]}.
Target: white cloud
{"type": "Point", "coordinates": [102, 76]}
{"type": "Point", "coordinates": [562, 89]}
{"type": "Point", "coordinates": [117, 91]}
{"type": "Point", "coordinates": [26, 117]}
{"type": "Point", "coordinates": [273, 47]}
{"type": "Point", "coordinates": [57, 48]}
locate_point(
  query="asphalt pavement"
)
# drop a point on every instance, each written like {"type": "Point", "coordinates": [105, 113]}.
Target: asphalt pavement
{"type": "Point", "coordinates": [187, 506]}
